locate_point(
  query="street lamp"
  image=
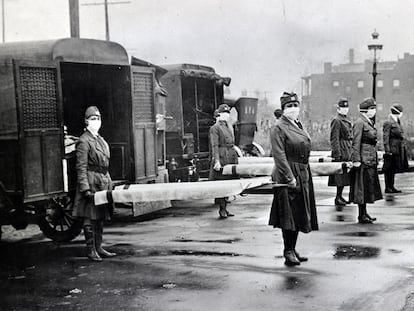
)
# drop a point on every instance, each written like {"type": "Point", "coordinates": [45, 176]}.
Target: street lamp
{"type": "Point", "coordinates": [374, 46]}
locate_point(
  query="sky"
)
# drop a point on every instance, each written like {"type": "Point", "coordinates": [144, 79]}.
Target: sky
{"type": "Point", "coordinates": [263, 45]}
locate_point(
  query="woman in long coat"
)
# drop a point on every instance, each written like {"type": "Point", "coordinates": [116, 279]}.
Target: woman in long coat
{"type": "Point", "coordinates": [92, 163]}
{"type": "Point", "coordinates": [222, 153]}
{"type": "Point", "coordinates": [365, 187]}
{"type": "Point", "coordinates": [293, 208]}
{"type": "Point", "coordinates": [395, 157]}
{"type": "Point", "coordinates": [341, 145]}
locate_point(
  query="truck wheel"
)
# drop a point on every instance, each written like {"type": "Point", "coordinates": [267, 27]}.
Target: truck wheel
{"type": "Point", "coordinates": [56, 220]}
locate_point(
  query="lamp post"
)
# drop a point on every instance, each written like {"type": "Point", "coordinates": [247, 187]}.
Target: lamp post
{"type": "Point", "coordinates": [374, 46]}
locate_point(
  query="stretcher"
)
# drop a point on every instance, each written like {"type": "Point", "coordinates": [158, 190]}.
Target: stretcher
{"type": "Point", "coordinates": [181, 191]}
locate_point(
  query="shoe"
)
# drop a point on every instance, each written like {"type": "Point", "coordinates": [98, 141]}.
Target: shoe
{"type": "Point", "coordinates": [290, 258]}
{"type": "Point", "coordinates": [105, 254]}
{"type": "Point", "coordinates": [299, 257]}
{"type": "Point", "coordinates": [388, 190]}
{"type": "Point", "coordinates": [229, 214]}
{"type": "Point", "coordinates": [364, 219]}
{"type": "Point", "coordinates": [396, 190]}
{"type": "Point", "coordinates": [222, 214]}
{"type": "Point", "coordinates": [339, 201]}
{"type": "Point", "coordinates": [346, 201]}
{"type": "Point", "coordinates": [372, 218]}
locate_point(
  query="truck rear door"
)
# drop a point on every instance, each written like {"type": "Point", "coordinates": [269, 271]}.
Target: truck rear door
{"type": "Point", "coordinates": [39, 103]}
{"type": "Point", "coordinates": [143, 122]}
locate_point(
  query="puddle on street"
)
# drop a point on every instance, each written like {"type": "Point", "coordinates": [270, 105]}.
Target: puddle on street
{"type": "Point", "coordinates": [294, 282]}
{"type": "Point", "coordinates": [349, 251]}
{"type": "Point", "coordinates": [360, 233]}
{"type": "Point", "coordinates": [227, 241]}
{"type": "Point", "coordinates": [343, 218]}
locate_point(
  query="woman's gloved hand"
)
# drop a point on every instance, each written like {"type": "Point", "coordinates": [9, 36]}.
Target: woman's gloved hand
{"type": "Point", "coordinates": [217, 165]}
{"type": "Point", "coordinates": [88, 194]}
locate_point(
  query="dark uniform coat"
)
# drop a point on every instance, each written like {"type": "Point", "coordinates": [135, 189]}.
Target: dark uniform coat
{"type": "Point", "coordinates": [394, 143]}
{"type": "Point", "coordinates": [221, 144]}
{"type": "Point", "coordinates": [365, 186]}
{"type": "Point", "coordinates": [341, 145]}
{"type": "Point", "coordinates": [92, 163]}
{"type": "Point", "coordinates": [292, 208]}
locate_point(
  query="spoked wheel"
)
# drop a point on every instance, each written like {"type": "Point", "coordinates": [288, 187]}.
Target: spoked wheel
{"type": "Point", "coordinates": [56, 220]}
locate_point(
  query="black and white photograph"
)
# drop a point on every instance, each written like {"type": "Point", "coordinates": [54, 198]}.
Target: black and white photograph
{"type": "Point", "coordinates": [198, 155]}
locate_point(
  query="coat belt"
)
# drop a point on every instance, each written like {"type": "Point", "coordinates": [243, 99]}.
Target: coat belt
{"type": "Point", "coordinates": [98, 169]}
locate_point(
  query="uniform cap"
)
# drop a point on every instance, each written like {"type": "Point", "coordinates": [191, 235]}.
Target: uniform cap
{"type": "Point", "coordinates": [343, 102]}
{"type": "Point", "coordinates": [396, 109]}
{"type": "Point", "coordinates": [92, 111]}
{"type": "Point", "coordinates": [288, 98]}
{"type": "Point", "coordinates": [223, 108]}
{"type": "Point", "coordinates": [367, 103]}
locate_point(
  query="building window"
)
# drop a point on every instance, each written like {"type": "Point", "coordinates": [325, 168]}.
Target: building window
{"type": "Point", "coordinates": [380, 83]}
{"type": "Point", "coordinates": [335, 83]}
{"type": "Point", "coordinates": [380, 106]}
{"type": "Point", "coordinates": [360, 84]}
{"type": "Point", "coordinates": [396, 83]}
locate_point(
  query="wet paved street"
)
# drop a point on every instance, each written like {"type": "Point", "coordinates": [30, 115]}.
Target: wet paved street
{"type": "Point", "coordinates": [185, 258]}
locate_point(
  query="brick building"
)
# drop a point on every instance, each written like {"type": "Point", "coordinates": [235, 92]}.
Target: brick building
{"type": "Point", "coordinates": [395, 84]}
{"type": "Point", "coordinates": [321, 91]}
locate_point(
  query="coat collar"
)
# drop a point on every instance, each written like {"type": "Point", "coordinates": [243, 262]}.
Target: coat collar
{"type": "Point", "coordinates": [367, 121]}
{"type": "Point", "coordinates": [343, 118]}
{"type": "Point", "coordinates": [293, 127]}
{"type": "Point", "coordinates": [98, 145]}
{"type": "Point", "coordinates": [392, 119]}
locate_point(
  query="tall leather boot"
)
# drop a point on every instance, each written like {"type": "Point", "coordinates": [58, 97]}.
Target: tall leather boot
{"type": "Point", "coordinates": [221, 202]}
{"type": "Point", "coordinates": [98, 241]}
{"type": "Point", "coordinates": [289, 251]}
{"type": "Point", "coordinates": [89, 232]}
{"type": "Point", "coordinates": [392, 184]}
{"type": "Point", "coordinates": [295, 235]}
{"type": "Point", "coordinates": [388, 183]}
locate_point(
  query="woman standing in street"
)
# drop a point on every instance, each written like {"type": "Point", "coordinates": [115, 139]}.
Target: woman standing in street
{"type": "Point", "coordinates": [92, 163]}
{"type": "Point", "coordinates": [395, 157]}
{"type": "Point", "coordinates": [222, 153]}
{"type": "Point", "coordinates": [293, 208]}
{"type": "Point", "coordinates": [341, 145]}
{"type": "Point", "coordinates": [365, 187]}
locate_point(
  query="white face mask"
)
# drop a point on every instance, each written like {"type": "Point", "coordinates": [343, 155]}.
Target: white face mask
{"type": "Point", "coordinates": [291, 113]}
{"type": "Point", "coordinates": [94, 126]}
{"type": "Point", "coordinates": [343, 110]}
{"type": "Point", "coordinates": [224, 116]}
{"type": "Point", "coordinates": [371, 113]}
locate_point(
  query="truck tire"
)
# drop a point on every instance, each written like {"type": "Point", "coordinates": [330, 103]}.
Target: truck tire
{"type": "Point", "coordinates": [55, 219]}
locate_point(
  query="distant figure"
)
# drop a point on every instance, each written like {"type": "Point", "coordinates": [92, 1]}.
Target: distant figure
{"type": "Point", "coordinates": [278, 113]}
{"type": "Point", "coordinates": [395, 157]}
{"type": "Point", "coordinates": [341, 145]}
{"type": "Point", "coordinates": [365, 187]}
{"type": "Point", "coordinates": [293, 208]}
{"type": "Point", "coordinates": [92, 164]}
{"type": "Point", "coordinates": [222, 153]}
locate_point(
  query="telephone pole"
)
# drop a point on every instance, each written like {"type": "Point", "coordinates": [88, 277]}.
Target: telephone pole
{"type": "Point", "coordinates": [74, 18]}
{"type": "Point", "coordinates": [105, 3]}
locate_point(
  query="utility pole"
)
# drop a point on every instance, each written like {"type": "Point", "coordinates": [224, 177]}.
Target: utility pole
{"type": "Point", "coordinates": [74, 18]}
{"type": "Point", "coordinates": [2, 21]}
{"type": "Point", "coordinates": [106, 3]}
